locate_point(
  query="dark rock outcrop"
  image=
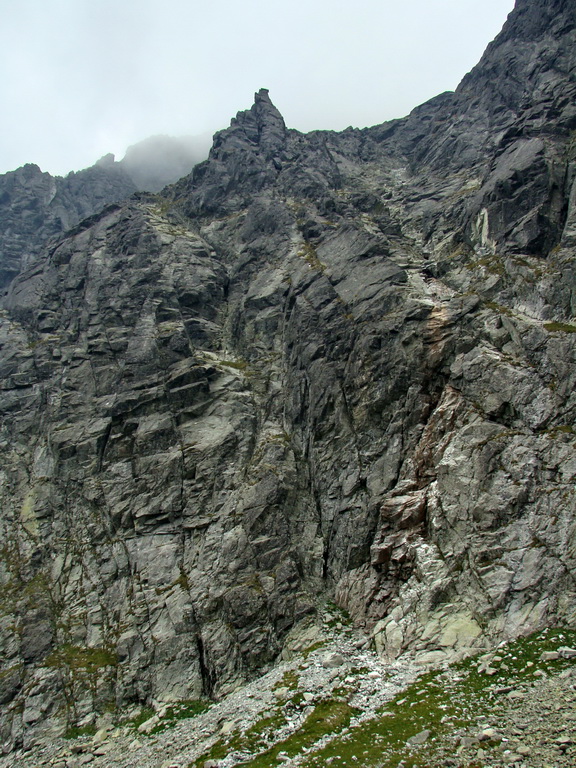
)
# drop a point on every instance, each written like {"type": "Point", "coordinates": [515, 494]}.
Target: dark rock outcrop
{"type": "Point", "coordinates": [325, 364]}
{"type": "Point", "coordinates": [36, 207]}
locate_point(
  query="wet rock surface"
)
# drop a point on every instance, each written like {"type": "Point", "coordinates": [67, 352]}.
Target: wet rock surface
{"type": "Point", "coordinates": [334, 364]}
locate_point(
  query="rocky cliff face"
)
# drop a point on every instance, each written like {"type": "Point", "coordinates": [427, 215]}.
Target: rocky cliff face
{"type": "Point", "coordinates": [36, 207]}
{"type": "Point", "coordinates": [333, 364]}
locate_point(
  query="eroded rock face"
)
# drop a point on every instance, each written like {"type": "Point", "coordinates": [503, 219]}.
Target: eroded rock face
{"type": "Point", "coordinates": [324, 364]}
{"type": "Point", "coordinates": [35, 207]}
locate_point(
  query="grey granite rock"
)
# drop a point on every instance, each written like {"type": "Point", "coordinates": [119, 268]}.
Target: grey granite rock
{"type": "Point", "coordinates": [35, 207]}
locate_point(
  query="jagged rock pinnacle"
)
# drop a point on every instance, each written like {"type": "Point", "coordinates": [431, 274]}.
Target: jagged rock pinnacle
{"type": "Point", "coordinates": [262, 127]}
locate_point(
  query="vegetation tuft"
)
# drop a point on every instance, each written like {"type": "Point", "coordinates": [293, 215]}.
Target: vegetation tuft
{"type": "Point", "coordinates": [183, 710]}
{"type": "Point", "coordinates": [308, 253]}
{"type": "Point", "coordinates": [145, 714]}
{"type": "Point", "coordinates": [76, 732]}
{"type": "Point", "coordinates": [560, 328]}
{"type": "Point", "coordinates": [77, 657]}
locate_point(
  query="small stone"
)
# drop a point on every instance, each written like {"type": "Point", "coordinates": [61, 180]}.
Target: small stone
{"type": "Point", "coordinates": [567, 653]}
{"type": "Point", "coordinates": [515, 695]}
{"type": "Point", "coordinates": [149, 724]}
{"type": "Point", "coordinates": [523, 750]}
{"type": "Point", "coordinates": [105, 722]}
{"type": "Point", "coordinates": [419, 738]}
{"type": "Point", "coordinates": [489, 734]}
{"type": "Point", "coordinates": [308, 696]}
{"type": "Point", "coordinates": [549, 656]}
{"type": "Point", "coordinates": [229, 726]}
{"type": "Point", "coordinates": [100, 736]}
{"type": "Point", "coordinates": [103, 749]}
{"type": "Point", "coordinates": [332, 660]}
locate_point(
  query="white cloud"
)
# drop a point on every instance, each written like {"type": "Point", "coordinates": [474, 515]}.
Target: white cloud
{"type": "Point", "coordinates": [79, 78]}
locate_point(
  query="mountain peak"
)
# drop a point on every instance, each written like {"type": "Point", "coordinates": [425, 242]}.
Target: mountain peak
{"type": "Point", "coordinates": [262, 95]}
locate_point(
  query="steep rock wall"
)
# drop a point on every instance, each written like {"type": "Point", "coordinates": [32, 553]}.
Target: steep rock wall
{"type": "Point", "coordinates": [35, 207]}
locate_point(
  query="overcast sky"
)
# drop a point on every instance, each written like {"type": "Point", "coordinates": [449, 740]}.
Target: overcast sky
{"type": "Point", "coordinates": [80, 78]}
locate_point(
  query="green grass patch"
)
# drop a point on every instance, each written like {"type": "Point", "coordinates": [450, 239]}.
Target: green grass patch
{"type": "Point", "coordinates": [327, 717]}
{"type": "Point", "coordinates": [288, 680]}
{"type": "Point", "coordinates": [500, 308]}
{"type": "Point", "coordinates": [183, 710]}
{"type": "Point", "coordinates": [519, 661]}
{"type": "Point", "coordinates": [254, 739]}
{"type": "Point", "coordinates": [359, 670]}
{"type": "Point", "coordinates": [560, 327]}
{"type": "Point", "coordinates": [338, 615]}
{"type": "Point", "coordinates": [305, 652]}
{"type": "Point", "coordinates": [145, 714]}
{"type": "Point", "coordinates": [76, 732]}
{"type": "Point", "coordinates": [441, 702]}
{"type": "Point", "coordinates": [494, 265]}
{"type": "Point", "coordinates": [82, 658]}
{"type": "Point", "coordinates": [420, 707]}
